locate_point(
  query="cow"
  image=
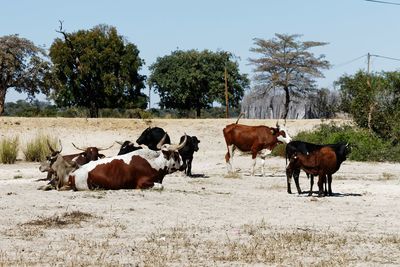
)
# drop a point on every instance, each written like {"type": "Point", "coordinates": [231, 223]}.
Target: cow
{"type": "Point", "coordinates": [299, 147]}
{"type": "Point", "coordinates": [186, 152]}
{"type": "Point", "coordinates": [152, 136]}
{"type": "Point", "coordinates": [61, 168]}
{"type": "Point", "coordinates": [321, 160]}
{"type": "Point", "coordinates": [140, 169]}
{"type": "Point", "coordinates": [88, 154]}
{"type": "Point", "coordinates": [127, 147]}
{"type": "Point", "coordinates": [255, 139]}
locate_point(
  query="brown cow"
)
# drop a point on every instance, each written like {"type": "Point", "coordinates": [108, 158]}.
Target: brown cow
{"type": "Point", "coordinates": [323, 162]}
{"type": "Point", "coordinates": [254, 139]}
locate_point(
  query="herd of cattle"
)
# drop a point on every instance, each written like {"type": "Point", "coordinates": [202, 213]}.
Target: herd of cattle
{"type": "Point", "coordinates": [145, 166]}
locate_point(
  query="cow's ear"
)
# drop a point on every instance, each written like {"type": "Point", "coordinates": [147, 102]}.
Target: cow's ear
{"type": "Point", "coordinates": [273, 132]}
{"type": "Point", "coordinates": [167, 154]}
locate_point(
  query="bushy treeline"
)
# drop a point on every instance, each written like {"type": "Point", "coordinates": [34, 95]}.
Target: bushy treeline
{"type": "Point", "coordinates": [23, 108]}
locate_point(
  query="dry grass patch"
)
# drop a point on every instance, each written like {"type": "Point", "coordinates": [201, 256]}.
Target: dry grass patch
{"type": "Point", "coordinates": [261, 243]}
{"type": "Point", "coordinates": [233, 175]}
{"type": "Point", "coordinates": [58, 221]}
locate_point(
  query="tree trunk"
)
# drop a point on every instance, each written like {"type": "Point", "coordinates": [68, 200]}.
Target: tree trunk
{"type": "Point", "coordinates": [2, 99]}
{"type": "Point", "coordinates": [93, 110]}
{"type": "Point", "coordinates": [287, 101]}
{"type": "Point", "coordinates": [198, 112]}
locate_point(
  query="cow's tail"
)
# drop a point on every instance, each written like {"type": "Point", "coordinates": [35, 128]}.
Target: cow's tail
{"type": "Point", "coordinates": [240, 115]}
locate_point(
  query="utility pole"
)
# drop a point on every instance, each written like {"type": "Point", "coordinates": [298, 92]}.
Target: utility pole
{"type": "Point", "coordinates": [149, 96]}
{"type": "Point", "coordinates": [226, 94]}
{"type": "Point", "coordinates": [372, 105]}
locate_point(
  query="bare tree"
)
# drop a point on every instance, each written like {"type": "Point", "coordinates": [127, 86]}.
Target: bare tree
{"type": "Point", "coordinates": [286, 63]}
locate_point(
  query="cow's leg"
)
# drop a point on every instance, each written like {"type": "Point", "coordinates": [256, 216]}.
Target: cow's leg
{"type": "Point", "coordinates": [189, 167]}
{"type": "Point", "coordinates": [229, 158]}
{"type": "Point", "coordinates": [144, 183]}
{"type": "Point", "coordinates": [289, 173]}
{"type": "Point", "coordinates": [264, 154]}
{"type": "Point", "coordinates": [330, 184]}
{"type": "Point", "coordinates": [321, 179]}
{"type": "Point", "coordinates": [311, 183]}
{"type": "Point", "coordinates": [253, 165]}
{"type": "Point", "coordinates": [296, 174]}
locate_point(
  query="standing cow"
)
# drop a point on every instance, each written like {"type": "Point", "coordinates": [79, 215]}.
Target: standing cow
{"type": "Point", "coordinates": [254, 139]}
{"type": "Point", "coordinates": [186, 152]}
{"type": "Point", "coordinates": [152, 136]}
{"type": "Point", "coordinates": [323, 161]}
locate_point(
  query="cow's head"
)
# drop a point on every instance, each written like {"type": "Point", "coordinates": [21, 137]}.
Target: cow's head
{"type": "Point", "coordinates": [283, 135]}
{"type": "Point", "coordinates": [192, 142]}
{"type": "Point", "coordinates": [144, 137]}
{"type": "Point", "coordinates": [195, 143]}
{"type": "Point", "coordinates": [92, 153]}
{"type": "Point", "coordinates": [45, 165]}
{"type": "Point", "coordinates": [171, 154]}
{"type": "Point", "coordinates": [127, 147]}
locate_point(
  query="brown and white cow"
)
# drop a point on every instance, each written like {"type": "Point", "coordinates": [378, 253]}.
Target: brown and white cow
{"type": "Point", "coordinates": [139, 169]}
{"type": "Point", "coordinates": [255, 139]}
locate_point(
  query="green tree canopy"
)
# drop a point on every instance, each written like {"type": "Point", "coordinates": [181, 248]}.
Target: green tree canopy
{"type": "Point", "coordinates": [95, 69]}
{"type": "Point", "coordinates": [23, 66]}
{"type": "Point", "coordinates": [188, 80]}
{"type": "Point", "coordinates": [381, 91]}
{"type": "Point", "coordinates": [286, 63]}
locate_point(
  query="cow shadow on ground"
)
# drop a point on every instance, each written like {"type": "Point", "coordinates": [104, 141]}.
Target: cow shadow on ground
{"type": "Point", "coordinates": [315, 194]}
{"type": "Point", "coordinates": [198, 175]}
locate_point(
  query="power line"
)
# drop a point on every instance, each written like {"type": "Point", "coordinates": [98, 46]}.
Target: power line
{"type": "Point", "coordinates": [383, 2]}
{"type": "Point", "coordinates": [348, 62]}
{"type": "Point", "coordinates": [391, 58]}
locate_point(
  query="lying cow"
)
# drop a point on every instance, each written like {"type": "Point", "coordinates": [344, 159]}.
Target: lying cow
{"type": "Point", "coordinates": [152, 136]}
{"type": "Point", "coordinates": [127, 147]}
{"type": "Point", "coordinates": [254, 139]}
{"type": "Point", "coordinates": [323, 160]}
{"type": "Point", "coordinates": [139, 169]}
{"type": "Point", "coordinates": [88, 154]}
{"type": "Point", "coordinates": [186, 152]}
{"type": "Point", "coordinates": [61, 168]}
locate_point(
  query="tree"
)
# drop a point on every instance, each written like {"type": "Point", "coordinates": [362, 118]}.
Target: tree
{"type": "Point", "coordinates": [287, 64]}
{"type": "Point", "coordinates": [191, 79]}
{"type": "Point", "coordinates": [381, 91]}
{"type": "Point", "coordinates": [23, 66]}
{"type": "Point", "coordinates": [96, 69]}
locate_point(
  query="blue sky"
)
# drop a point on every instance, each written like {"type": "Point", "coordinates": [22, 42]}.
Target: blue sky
{"type": "Point", "coordinates": [351, 27]}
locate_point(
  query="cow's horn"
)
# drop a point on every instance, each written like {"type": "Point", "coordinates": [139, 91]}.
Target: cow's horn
{"type": "Point", "coordinates": [52, 149]}
{"type": "Point", "coordinates": [162, 141]}
{"type": "Point", "coordinates": [119, 143]}
{"type": "Point", "coordinates": [78, 147]}
{"type": "Point", "coordinates": [181, 145]}
{"type": "Point", "coordinates": [100, 148]}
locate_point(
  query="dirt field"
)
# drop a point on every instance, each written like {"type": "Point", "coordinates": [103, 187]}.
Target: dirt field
{"type": "Point", "coordinates": [212, 220]}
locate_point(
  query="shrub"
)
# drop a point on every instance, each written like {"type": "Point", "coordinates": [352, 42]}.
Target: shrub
{"type": "Point", "coordinates": [9, 150]}
{"type": "Point", "coordinates": [37, 149]}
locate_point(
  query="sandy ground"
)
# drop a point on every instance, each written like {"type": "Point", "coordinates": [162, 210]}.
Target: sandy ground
{"type": "Point", "coordinates": [214, 219]}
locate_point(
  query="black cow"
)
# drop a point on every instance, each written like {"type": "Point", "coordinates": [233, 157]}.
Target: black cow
{"type": "Point", "coordinates": [152, 136]}
{"type": "Point", "coordinates": [127, 147]}
{"type": "Point", "coordinates": [314, 159]}
{"type": "Point", "coordinates": [191, 146]}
